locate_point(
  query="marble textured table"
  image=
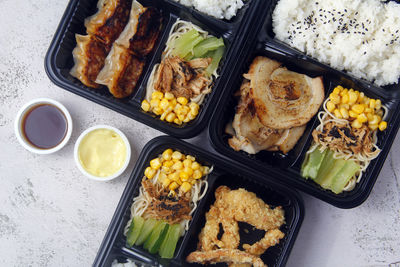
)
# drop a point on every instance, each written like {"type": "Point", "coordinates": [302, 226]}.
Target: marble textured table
{"type": "Point", "coordinates": [50, 215]}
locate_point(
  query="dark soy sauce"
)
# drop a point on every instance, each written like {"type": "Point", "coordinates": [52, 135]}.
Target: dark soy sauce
{"type": "Point", "coordinates": [44, 126]}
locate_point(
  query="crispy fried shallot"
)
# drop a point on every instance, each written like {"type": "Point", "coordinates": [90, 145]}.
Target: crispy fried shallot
{"type": "Point", "coordinates": [343, 137]}
{"type": "Point", "coordinates": [171, 209]}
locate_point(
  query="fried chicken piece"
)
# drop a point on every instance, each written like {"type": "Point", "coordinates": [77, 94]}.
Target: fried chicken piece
{"type": "Point", "coordinates": [270, 239]}
{"type": "Point", "coordinates": [209, 234]}
{"type": "Point", "coordinates": [230, 207]}
{"type": "Point", "coordinates": [247, 207]}
{"type": "Point", "coordinates": [233, 256]}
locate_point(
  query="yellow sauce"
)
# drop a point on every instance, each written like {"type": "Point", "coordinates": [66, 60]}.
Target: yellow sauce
{"type": "Point", "coordinates": [102, 152]}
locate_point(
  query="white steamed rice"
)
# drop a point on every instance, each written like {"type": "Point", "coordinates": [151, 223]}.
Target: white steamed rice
{"type": "Point", "coordinates": [221, 9]}
{"type": "Point", "coordinates": [360, 36]}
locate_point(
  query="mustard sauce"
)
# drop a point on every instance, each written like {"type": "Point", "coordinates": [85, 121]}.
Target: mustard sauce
{"type": "Point", "coordinates": [102, 152]}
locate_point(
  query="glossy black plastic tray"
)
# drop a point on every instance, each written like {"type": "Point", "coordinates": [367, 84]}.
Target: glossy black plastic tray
{"type": "Point", "coordinates": [287, 167]}
{"type": "Point", "coordinates": [59, 59]}
{"type": "Point", "coordinates": [224, 173]}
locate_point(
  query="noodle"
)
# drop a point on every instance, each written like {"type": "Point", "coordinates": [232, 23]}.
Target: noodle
{"type": "Point", "coordinates": [179, 28]}
{"type": "Point", "coordinates": [363, 159]}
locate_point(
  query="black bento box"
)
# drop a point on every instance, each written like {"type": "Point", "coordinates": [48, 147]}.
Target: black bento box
{"type": "Point", "coordinates": [113, 247]}
{"type": "Point", "coordinates": [59, 59]}
{"type": "Point", "coordinates": [260, 42]}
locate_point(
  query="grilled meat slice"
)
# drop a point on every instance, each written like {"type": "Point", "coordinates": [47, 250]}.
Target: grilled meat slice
{"type": "Point", "coordinates": [233, 256]}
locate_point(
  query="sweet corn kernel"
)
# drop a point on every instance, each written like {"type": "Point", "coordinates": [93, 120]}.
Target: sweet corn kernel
{"type": "Point", "coordinates": [155, 163]}
{"type": "Point", "coordinates": [154, 102]}
{"type": "Point", "coordinates": [177, 108]}
{"type": "Point", "coordinates": [168, 163]}
{"type": "Point", "coordinates": [343, 92]}
{"type": "Point", "coordinates": [170, 117]}
{"type": "Point", "coordinates": [194, 112]}
{"type": "Point", "coordinates": [186, 119]}
{"type": "Point", "coordinates": [164, 104]}
{"type": "Point", "coordinates": [353, 114]}
{"type": "Point", "coordinates": [195, 165]}
{"type": "Point", "coordinates": [368, 110]}
{"type": "Point", "coordinates": [167, 154]}
{"type": "Point", "coordinates": [194, 106]}
{"type": "Point", "coordinates": [166, 169]}
{"type": "Point", "coordinates": [382, 125]}
{"type": "Point", "coordinates": [330, 106]}
{"type": "Point", "coordinates": [149, 172]}
{"type": "Point", "coordinates": [182, 100]}
{"type": "Point", "coordinates": [184, 176]}
{"type": "Point", "coordinates": [344, 113]}
{"type": "Point", "coordinates": [166, 182]}
{"type": "Point", "coordinates": [177, 165]}
{"type": "Point", "coordinates": [191, 157]}
{"type": "Point", "coordinates": [157, 95]}
{"type": "Point", "coordinates": [185, 187]}
{"type": "Point", "coordinates": [375, 120]}
{"type": "Point", "coordinates": [163, 115]}
{"type": "Point", "coordinates": [190, 116]}
{"type": "Point", "coordinates": [362, 118]}
{"type": "Point", "coordinates": [177, 121]}
{"type": "Point", "coordinates": [380, 113]}
{"type": "Point", "coordinates": [177, 155]}
{"type": "Point", "coordinates": [197, 174]}
{"type": "Point", "coordinates": [174, 185]}
{"type": "Point", "coordinates": [356, 124]}
{"type": "Point", "coordinates": [337, 114]}
{"type": "Point", "coordinates": [352, 98]}
{"type": "Point", "coordinates": [372, 103]}
{"type": "Point", "coordinates": [181, 117]}
{"type": "Point", "coordinates": [335, 98]}
{"type": "Point", "coordinates": [373, 127]}
{"type": "Point", "coordinates": [187, 163]}
{"type": "Point", "coordinates": [357, 108]}
{"type": "Point", "coordinates": [378, 104]}
{"type": "Point", "coordinates": [173, 176]}
{"type": "Point", "coordinates": [169, 96]}
{"type": "Point", "coordinates": [185, 110]}
{"type": "Point", "coordinates": [188, 170]}
{"type": "Point", "coordinates": [345, 98]}
{"type": "Point", "coordinates": [145, 105]}
{"type": "Point", "coordinates": [157, 110]}
{"type": "Point", "coordinates": [337, 89]}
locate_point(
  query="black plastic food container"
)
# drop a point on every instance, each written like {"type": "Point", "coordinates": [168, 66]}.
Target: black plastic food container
{"type": "Point", "coordinates": [59, 59]}
{"type": "Point", "coordinates": [260, 42]}
{"type": "Point", "coordinates": [114, 246]}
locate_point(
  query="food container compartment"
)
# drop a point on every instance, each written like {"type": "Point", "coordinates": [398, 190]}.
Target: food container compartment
{"type": "Point", "coordinates": [240, 15]}
{"type": "Point", "coordinates": [267, 36]}
{"type": "Point", "coordinates": [224, 173]}
{"type": "Point", "coordinates": [59, 60]}
{"type": "Point", "coordinates": [287, 167]}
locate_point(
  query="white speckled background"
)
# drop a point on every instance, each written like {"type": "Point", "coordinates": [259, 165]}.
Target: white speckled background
{"type": "Point", "coordinates": [50, 215]}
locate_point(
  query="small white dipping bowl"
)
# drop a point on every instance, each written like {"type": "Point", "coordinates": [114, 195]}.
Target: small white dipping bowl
{"type": "Point", "coordinates": [19, 121]}
{"type": "Point", "coordinates": [106, 178]}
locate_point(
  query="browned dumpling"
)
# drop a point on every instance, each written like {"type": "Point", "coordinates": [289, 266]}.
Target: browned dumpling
{"type": "Point", "coordinates": [110, 20]}
{"type": "Point", "coordinates": [142, 31]}
{"type": "Point", "coordinates": [121, 71]}
{"type": "Point", "coordinates": [89, 55]}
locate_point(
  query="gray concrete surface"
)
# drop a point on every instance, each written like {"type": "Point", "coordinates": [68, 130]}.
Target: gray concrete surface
{"type": "Point", "coordinates": [51, 215]}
